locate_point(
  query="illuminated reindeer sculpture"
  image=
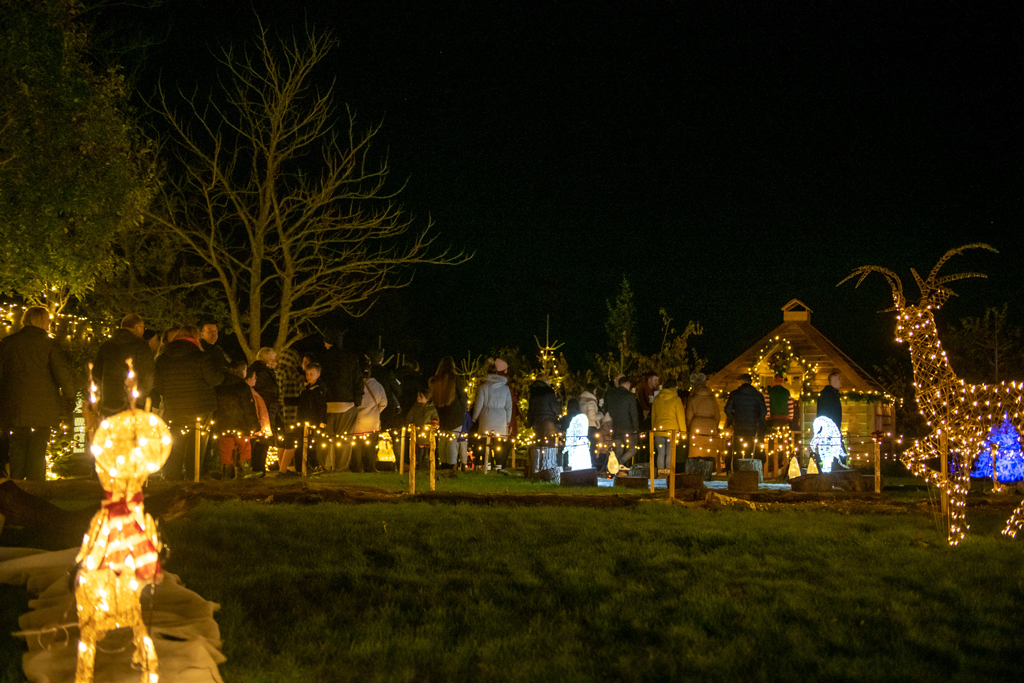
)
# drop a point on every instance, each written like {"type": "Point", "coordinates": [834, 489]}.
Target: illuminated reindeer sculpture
{"type": "Point", "coordinates": [960, 414]}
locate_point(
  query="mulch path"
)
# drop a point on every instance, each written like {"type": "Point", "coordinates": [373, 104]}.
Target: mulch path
{"type": "Point", "coordinates": [28, 504]}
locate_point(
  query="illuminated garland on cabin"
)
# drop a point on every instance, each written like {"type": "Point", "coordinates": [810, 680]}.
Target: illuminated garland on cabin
{"type": "Point", "coordinates": [769, 353]}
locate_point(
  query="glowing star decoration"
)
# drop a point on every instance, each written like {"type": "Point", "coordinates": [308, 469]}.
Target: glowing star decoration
{"type": "Point", "coordinates": [119, 555]}
{"type": "Point", "coordinates": [1009, 459]}
{"type": "Point", "coordinates": [961, 415]}
{"type": "Point", "coordinates": [577, 443]}
{"type": "Point", "coordinates": [827, 442]}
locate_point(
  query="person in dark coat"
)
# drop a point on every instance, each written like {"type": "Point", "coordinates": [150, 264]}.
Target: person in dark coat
{"type": "Point", "coordinates": [745, 411]}
{"type": "Point", "coordinates": [621, 406]}
{"type": "Point", "coordinates": [411, 380]}
{"type": "Point", "coordinates": [235, 420]}
{"type": "Point", "coordinates": [110, 370]}
{"type": "Point", "coordinates": [184, 387]}
{"type": "Point", "coordinates": [829, 405]}
{"type": "Point", "coordinates": [266, 386]}
{"type": "Point", "coordinates": [208, 336]}
{"type": "Point", "coordinates": [343, 381]}
{"type": "Point", "coordinates": [543, 410]}
{"type": "Point", "coordinates": [35, 385]}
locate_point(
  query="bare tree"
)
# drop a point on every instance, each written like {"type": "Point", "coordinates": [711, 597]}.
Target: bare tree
{"type": "Point", "coordinates": [286, 207]}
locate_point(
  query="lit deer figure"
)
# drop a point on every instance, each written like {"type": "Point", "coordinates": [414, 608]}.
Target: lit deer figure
{"type": "Point", "coordinates": [960, 414]}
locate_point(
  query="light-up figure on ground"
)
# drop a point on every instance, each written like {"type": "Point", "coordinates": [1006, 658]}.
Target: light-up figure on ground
{"type": "Point", "coordinates": [827, 443]}
{"type": "Point", "coordinates": [119, 555]}
{"type": "Point", "coordinates": [577, 443]}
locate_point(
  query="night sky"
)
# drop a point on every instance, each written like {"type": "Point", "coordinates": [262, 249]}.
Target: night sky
{"type": "Point", "coordinates": [726, 157]}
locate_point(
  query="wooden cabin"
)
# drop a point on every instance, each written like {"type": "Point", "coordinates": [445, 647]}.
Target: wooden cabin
{"type": "Point", "coordinates": [805, 359]}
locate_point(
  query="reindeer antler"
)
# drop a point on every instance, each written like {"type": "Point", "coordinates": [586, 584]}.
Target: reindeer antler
{"type": "Point", "coordinates": [933, 290]}
{"type": "Point", "coordinates": [892, 278]}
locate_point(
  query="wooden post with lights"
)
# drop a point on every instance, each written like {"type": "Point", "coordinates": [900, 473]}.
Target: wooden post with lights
{"type": "Point", "coordinates": [432, 440]}
{"type": "Point", "coordinates": [878, 462]}
{"type": "Point", "coordinates": [651, 464]}
{"type": "Point", "coordinates": [487, 454]}
{"type": "Point", "coordinates": [672, 466]}
{"type": "Point", "coordinates": [401, 450]}
{"type": "Point", "coordinates": [198, 453]}
{"type": "Point", "coordinates": [412, 462]}
{"type": "Point", "coordinates": [305, 447]}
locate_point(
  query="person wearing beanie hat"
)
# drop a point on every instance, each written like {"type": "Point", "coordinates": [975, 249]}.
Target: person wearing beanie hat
{"type": "Point", "coordinates": [493, 407]}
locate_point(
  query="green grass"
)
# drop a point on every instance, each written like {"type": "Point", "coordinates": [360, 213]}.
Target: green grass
{"type": "Point", "coordinates": [464, 593]}
{"type": "Point", "coordinates": [458, 592]}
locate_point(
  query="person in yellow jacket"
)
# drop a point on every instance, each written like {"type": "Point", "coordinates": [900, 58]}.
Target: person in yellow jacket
{"type": "Point", "coordinates": [667, 414]}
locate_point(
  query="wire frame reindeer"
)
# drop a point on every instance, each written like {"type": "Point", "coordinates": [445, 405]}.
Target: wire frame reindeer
{"type": "Point", "coordinates": [960, 414]}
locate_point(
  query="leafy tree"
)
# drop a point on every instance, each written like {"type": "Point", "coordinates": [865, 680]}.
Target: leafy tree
{"type": "Point", "coordinates": [75, 174]}
{"type": "Point", "coordinates": [287, 210]}
{"type": "Point", "coordinates": [986, 348]}
{"type": "Point", "coordinates": [675, 358]}
{"type": "Point", "coordinates": [620, 325]}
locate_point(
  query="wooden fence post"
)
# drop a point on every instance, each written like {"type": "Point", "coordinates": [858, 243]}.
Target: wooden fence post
{"type": "Point", "coordinates": [878, 466]}
{"type": "Point", "coordinates": [305, 448]}
{"type": "Point", "coordinates": [651, 465]}
{"type": "Point", "coordinates": [672, 467]}
{"type": "Point", "coordinates": [198, 454]}
{"type": "Point", "coordinates": [433, 445]}
{"type": "Point", "coordinates": [412, 468]}
{"type": "Point", "coordinates": [401, 451]}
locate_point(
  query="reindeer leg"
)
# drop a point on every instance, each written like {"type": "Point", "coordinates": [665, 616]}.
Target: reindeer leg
{"type": "Point", "coordinates": [145, 653]}
{"type": "Point", "coordinates": [87, 640]}
{"type": "Point", "coordinates": [1016, 522]}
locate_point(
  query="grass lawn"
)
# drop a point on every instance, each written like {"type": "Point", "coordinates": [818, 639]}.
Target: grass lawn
{"type": "Point", "coordinates": [441, 592]}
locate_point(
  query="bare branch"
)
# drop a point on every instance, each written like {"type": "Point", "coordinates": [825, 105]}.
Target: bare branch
{"type": "Point", "coordinates": [291, 213]}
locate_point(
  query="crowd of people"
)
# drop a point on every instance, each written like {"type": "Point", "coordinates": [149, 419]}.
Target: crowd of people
{"type": "Point", "coordinates": [323, 409]}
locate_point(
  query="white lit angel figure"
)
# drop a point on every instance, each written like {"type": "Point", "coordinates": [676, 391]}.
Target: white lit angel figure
{"type": "Point", "coordinates": [577, 443]}
{"type": "Point", "coordinates": [827, 443]}
{"type": "Point", "coordinates": [119, 555]}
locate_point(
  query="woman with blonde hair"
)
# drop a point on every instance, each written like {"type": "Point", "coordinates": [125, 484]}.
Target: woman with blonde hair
{"type": "Point", "coordinates": [449, 395]}
{"type": "Point", "coordinates": [266, 386]}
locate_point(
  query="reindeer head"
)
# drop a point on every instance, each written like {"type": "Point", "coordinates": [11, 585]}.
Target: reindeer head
{"type": "Point", "coordinates": [934, 291]}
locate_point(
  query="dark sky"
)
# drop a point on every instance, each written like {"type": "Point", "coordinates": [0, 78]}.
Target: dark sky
{"type": "Point", "coordinates": [726, 157]}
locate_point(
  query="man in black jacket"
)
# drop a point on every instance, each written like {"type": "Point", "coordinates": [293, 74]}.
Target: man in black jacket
{"type": "Point", "coordinates": [185, 381]}
{"type": "Point", "coordinates": [543, 409]}
{"type": "Point", "coordinates": [342, 378]}
{"type": "Point", "coordinates": [110, 370]}
{"type": "Point", "coordinates": [745, 411]}
{"type": "Point", "coordinates": [34, 375]}
{"type": "Point", "coordinates": [621, 406]}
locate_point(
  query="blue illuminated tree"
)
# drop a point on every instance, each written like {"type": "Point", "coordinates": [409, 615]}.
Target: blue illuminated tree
{"type": "Point", "coordinates": [1009, 459]}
